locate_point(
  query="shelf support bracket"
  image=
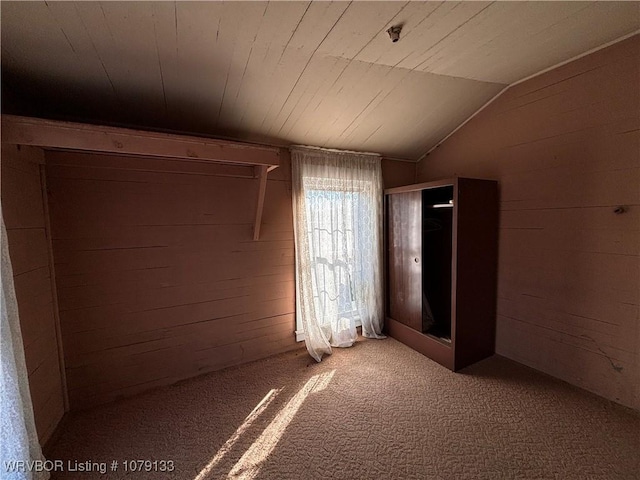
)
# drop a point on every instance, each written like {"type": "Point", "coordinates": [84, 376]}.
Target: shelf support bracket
{"type": "Point", "coordinates": [260, 172]}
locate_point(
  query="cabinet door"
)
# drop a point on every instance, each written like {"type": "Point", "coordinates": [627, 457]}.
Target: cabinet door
{"type": "Point", "coordinates": [405, 258]}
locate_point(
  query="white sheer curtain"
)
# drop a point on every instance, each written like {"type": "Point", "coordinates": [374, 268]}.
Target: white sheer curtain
{"type": "Point", "coordinates": [337, 208]}
{"type": "Point", "coordinates": [18, 437]}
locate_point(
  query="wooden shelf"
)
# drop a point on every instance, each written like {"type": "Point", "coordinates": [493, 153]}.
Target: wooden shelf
{"type": "Point", "coordinates": [57, 135]}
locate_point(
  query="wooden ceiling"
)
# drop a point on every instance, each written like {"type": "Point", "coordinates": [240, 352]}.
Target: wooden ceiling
{"type": "Point", "coordinates": [319, 73]}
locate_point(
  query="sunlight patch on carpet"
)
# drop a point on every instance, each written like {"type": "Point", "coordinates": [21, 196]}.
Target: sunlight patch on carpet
{"type": "Point", "coordinates": [249, 464]}
{"type": "Point", "coordinates": [255, 413]}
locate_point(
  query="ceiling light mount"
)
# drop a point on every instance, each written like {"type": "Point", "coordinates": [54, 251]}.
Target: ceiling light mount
{"type": "Point", "coordinates": [394, 32]}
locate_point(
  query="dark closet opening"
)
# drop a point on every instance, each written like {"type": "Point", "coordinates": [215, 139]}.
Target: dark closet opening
{"type": "Point", "coordinates": [437, 226]}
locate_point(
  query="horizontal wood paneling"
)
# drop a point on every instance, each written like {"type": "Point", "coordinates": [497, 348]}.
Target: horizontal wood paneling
{"type": "Point", "coordinates": [24, 215]}
{"type": "Point", "coordinates": [158, 276]}
{"type": "Point", "coordinates": [565, 147]}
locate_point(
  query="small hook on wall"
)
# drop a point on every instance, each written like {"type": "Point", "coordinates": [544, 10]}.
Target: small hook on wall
{"type": "Point", "coordinates": [620, 210]}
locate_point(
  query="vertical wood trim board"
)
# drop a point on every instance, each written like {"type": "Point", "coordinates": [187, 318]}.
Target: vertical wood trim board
{"type": "Point", "coordinates": [261, 173]}
{"type": "Point", "coordinates": [565, 148]}
{"type": "Point", "coordinates": [54, 290]}
{"type": "Point", "coordinates": [25, 218]}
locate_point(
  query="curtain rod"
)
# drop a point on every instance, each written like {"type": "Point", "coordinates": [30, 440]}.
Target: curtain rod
{"type": "Point", "coordinates": [332, 150]}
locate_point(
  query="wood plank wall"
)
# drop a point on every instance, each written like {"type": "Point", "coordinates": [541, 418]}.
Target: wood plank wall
{"type": "Point", "coordinates": [24, 215]}
{"type": "Point", "coordinates": [158, 277]}
{"type": "Point", "coordinates": [565, 147]}
{"type": "Point", "coordinates": [396, 173]}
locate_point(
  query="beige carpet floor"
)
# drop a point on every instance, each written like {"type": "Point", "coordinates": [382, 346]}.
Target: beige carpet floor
{"type": "Point", "coordinates": [378, 410]}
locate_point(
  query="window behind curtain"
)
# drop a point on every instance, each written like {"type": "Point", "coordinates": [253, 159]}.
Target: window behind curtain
{"type": "Point", "coordinates": [337, 203]}
{"type": "Point", "coordinates": [336, 222]}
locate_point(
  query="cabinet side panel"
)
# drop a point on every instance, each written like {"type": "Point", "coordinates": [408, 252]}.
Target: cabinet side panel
{"type": "Point", "coordinates": [477, 240]}
{"type": "Point", "coordinates": [405, 247]}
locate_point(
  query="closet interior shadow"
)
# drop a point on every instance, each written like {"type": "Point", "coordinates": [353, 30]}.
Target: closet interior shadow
{"type": "Point", "coordinates": [437, 237]}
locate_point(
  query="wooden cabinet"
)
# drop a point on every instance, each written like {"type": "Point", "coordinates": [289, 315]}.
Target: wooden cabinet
{"type": "Point", "coordinates": [441, 263]}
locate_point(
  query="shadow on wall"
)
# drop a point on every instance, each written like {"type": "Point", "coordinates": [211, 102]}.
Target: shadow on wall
{"type": "Point", "coordinates": [77, 102]}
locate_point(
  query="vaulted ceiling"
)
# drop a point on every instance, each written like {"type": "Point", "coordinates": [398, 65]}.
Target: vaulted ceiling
{"type": "Point", "coordinates": [316, 73]}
